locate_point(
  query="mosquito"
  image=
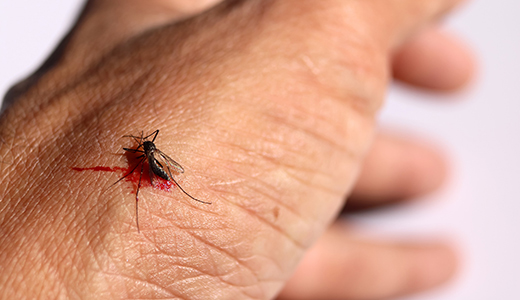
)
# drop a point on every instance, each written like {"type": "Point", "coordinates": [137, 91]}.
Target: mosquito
{"type": "Point", "coordinates": [159, 164]}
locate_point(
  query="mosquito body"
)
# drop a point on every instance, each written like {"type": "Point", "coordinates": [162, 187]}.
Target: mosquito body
{"type": "Point", "coordinates": [159, 163]}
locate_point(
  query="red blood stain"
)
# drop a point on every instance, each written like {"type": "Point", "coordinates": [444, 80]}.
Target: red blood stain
{"type": "Point", "coordinates": [99, 168]}
{"type": "Point", "coordinates": [159, 183]}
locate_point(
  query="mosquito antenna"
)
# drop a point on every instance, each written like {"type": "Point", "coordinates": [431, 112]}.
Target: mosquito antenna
{"type": "Point", "coordinates": [189, 194]}
{"type": "Point", "coordinates": [133, 151]}
{"type": "Point", "coordinates": [137, 139]}
{"type": "Point", "coordinates": [129, 173]}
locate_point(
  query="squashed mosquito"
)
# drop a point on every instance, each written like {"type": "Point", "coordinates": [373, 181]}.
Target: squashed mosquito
{"type": "Point", "coordinates": [159, 163]}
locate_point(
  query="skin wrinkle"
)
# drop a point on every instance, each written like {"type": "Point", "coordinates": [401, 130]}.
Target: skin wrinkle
{"type": "Point", "coordinates": [58, 210]}
{"type": "Point", "coordinates": [176, 283]}
{"type": "Point", "coordinates": [368, 73]}
{"type": "Point", "coordinates": [299, 245]}
{"type": "Point", "coordinates": [256, 215]}
{"type": "Point", "coordinates": [272, 142]}
{"type": "Point", "coordinates": [51, 273]}
{"type": "Point", "coordinates": [216, 247]}
{"type": "Point", "coordinates": [171, 224]}
{"type": "Point", "coordinates": [73, 270]}
{"type": "Point", "coordinates": [219, 276]}
{"type": "Point", "coordinates": [293, 167]}
{"type": "Point", "coordinates": [101, 275]}
{"type": "Point", "coordinates": [318, 118]}
{"type": "Point", "coordinates": [219, 249]}
{"type": "Point", "coordinates": [267, 139]}
{"type": "Point", "coordinates": [311, 133]}
{"type": "Point", "coordinates": [35, 209]}
{"type": "Point", "coordinates": [203, 273]}
{"type": "Point", "coordinates": [179, 261]}
{"type": "Point", "coordinates": [141, 79]}
{"type": "Point", "coordinates": [16, 159]}
{"type": "Point", "coordinates": [248, 176]}
{"type": "Point", "coordinates": [278, 203]}
{"type": "Point", "coordinates": [252, 212]}
{"type": "Point", "coordinates": [186, 38]}
{"type": "Point", "coordinates": [362, 68]}
{"type": "Point", "coordinates": [104, 267]}
{"type": "Point", "coordinates": [213, 288]}
{"type": "Point", "coordinates": [5, 149]}
{"type": "Point", "coordinates": [23, 206]}
{"type": "Point", "coordinates": [194, 206]}
{"type": "Point", "coordinates": [311, 183]}
{"type": "Point", "coordinates": [39, 111]}
{"type": "Point", "coordinates": [49, 250]}
{"type": "Point", "coordinates": [84, 263]}
{"type": "Point", "coordinates": [279, 267]}
{"type": "Point", "coordinates": [29, 208]}
{"type": "Point", "coordinates": [92, 219]}
{"type": "Point", "coordinates": [230, 256]}
{"type": "Point", "coordinates": [274, 160]}
{"type": "Point", "coordinates": [134, 279]}
{"type": "Point", "coordinates": [131, 93]}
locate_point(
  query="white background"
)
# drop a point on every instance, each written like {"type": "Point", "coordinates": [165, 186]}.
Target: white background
{"type": "Point", "coordinates": [479, 129]}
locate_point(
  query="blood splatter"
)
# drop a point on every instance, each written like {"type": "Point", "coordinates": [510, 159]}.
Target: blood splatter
{"type": "Point", "coordinates": [156, 168]}
{"type": "Point", "coordinates": [134, 177]}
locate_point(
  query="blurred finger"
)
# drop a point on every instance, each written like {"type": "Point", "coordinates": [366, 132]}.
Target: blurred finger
{"type": "Point", "coordinates": [397, 168]}
{"type": "Point", "coordinates": [434, 60]}
{"type": "Point", "coordinates": [342, 267]}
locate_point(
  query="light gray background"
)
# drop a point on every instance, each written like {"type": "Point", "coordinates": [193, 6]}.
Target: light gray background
{"type": "Point", "coordinates": [479, 129]}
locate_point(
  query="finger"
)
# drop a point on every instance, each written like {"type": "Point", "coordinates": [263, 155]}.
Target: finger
{"type": "Point", "coordinates": [434, 60]}
{"type": "Point", "coordinates": [340, 266]}
{"type": "Point", "coordinates": [397, 168]}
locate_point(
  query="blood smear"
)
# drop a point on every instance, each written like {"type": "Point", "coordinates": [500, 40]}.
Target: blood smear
{"type": "Point", "coordinates": [160, 183]}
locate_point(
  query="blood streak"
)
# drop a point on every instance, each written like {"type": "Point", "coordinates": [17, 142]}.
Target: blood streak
{"type": "Point", "coordinates": [159, 183]}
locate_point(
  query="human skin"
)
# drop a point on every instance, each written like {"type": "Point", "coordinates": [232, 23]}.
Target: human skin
{"type": "Point", "coordinates": [271, 108]}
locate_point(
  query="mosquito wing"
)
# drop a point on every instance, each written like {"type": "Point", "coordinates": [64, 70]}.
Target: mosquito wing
{"type": "Point", "coordinates": [170, 164]}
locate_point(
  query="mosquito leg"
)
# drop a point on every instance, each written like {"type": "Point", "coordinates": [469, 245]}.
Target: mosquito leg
{"type": "Point", "coordinates": [152, 174]}
{"type": "Point", "coordinates": [133, 150]}
{"type": "Point", "coordinates": [129, 173]}
{"type": "Point", "coordinates": [137, 199]}
{"type": "Point", "coordinates": [140, 139]}
{"type": "Point", "coordinates": [155, 133]}
{"type": "Point", "coordinates": [137, 139]}
{"type": "Point", "coordinates": [189, 194]}
{"type": "Point", "coordinates": [131, 136]}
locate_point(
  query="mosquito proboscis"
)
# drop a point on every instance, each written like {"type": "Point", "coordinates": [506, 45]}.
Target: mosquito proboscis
{"type": "Point", "coordinates": [159, 164]}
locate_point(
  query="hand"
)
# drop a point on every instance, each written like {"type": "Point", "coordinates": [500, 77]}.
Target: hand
{"type": "Point", "coordinates": [269, 106]}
